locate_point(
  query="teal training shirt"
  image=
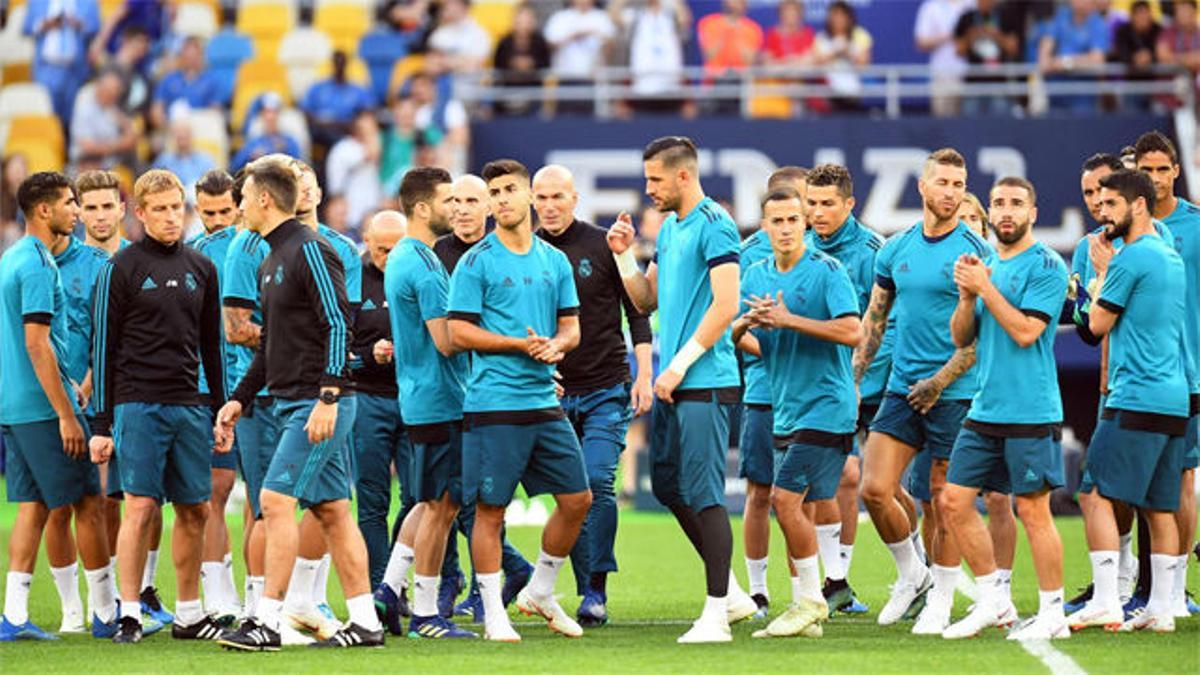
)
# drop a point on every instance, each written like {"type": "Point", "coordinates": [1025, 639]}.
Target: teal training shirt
{"type": "Point", "coordinates": [239, 289]}
{"type": "Point", "coordinates": [756, 247]}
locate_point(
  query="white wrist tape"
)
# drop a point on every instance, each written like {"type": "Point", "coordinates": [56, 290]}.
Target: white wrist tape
{"type": "Point", "coordinates": [626, 264]}
{"type": "Point", "coordinates": [685, 357]}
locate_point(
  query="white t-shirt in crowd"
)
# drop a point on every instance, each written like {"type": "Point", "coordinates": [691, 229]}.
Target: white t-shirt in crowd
{"type": "Point", "coordinates": [655, 48]}
{"type": "Point", "coordinates": [462, 38]}
{"type": "Point", "coordinates": [578, 58]}
{"type": "Point", "coordinates": [937, 18]}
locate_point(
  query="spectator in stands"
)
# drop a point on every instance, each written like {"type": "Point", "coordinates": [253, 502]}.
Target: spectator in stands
{"type": "Point", "coordinates": [458, 36]}
{"type": "Point", "coordinates": [579, 34]}
{"type": "Point", "coordinates": [520, 58]}
{"type": "Point", "coordinates": [149, 16]}
{"type": "Point", "coordinates": [1076, 40]}
{"type": "Point", "coordinates": [934, 34]}
{"type": "Point", "coordinates": [989, 35]}
{"type": "Point", "coordinates": [132, 50]}
{"type": "Point", "coordinates": [331, 105]}
{"type": "Point", "coordinates": [843, 47]}
{"type": "Point", "coordinates": [790, 42]}
{"type": "Point", "coordinates": [181, 157]}
{"type": "Point", "coordinates": [1113, 16]}
{"type": "Point", "coordinates": [443, 121]}
{"type": "Point", "coordinates": [657, 31]}
{"type": "Point", "coordinates": [730, 40]}
{"type": "Point", "coordinates": [189, 82]}
{"type": "Point", "coordinates": [102, 134]}
{"type": "Point", "coordinates": [399, 144]}
{"type": "Point", "coordinates": [12, 173]}
{"type": "Point", "coordinates": [409, 19]}
{"type": "Point", "coordinates": [334, 214]}
{"type": "Point", "coordinates": [1179, 43]}
{"type": "Point", "coordinates": [352, 168]}
{"type": "Point", "coordinates": [1134, 45]}
{"type": "Point", "coordinates": [272, 139]}
{"type": "Point", "coordinates": [61, 31]}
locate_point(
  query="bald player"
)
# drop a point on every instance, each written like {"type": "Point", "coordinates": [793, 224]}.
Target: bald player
{"type": "Point", "coordinates": [600, 396]}
{"type": "Point", "coordinates": [469, 220]}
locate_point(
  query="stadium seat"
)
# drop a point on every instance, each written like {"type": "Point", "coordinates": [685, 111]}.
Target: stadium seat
{"type": "Point", "coordinates": [255, 77]}
{"type": "Point", "coordinates": [380, 50]}
{"type": "Point", "coordinates": [225, 53]}
{"type": "Point", "coordinates": [43, 128]}
{"type": "Point", "coordinates": [195, 18]}
{"type": "Point", "coordinates": [494, 17]}
{"type": "Point", "coordinates": [209, 134]}
{"type": "Point", "coordinates": [302, 52]}
{"type": "Point", "coordinates": [265, 24]}
{"type": "Point", "coordinates": [109, 7]}
{"type": "Point", "coordinates": [404, 69]}
{"type": "Point", "coordinates": [292, 123]}
{"type": "Point", "coordinates": [25, 98]}
{"type": "Point", "coordinates": [770, 107]}
{"type": "Point", "coordinates": [344, 23]}
{"type": "Point", "coordinates": [16, 49]}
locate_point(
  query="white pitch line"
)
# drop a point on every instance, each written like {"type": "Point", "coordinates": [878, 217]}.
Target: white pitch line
{"type": "Point", "coordinates": [1058, 662]}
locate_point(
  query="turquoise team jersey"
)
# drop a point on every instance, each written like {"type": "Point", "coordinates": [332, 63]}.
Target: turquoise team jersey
{"type": "Point", "coordinates": [348, 253]}
{"type": "Point", "coordinates": [416, 286]}
{"type": "Point", "coordinates": [30, 291]}
{"type": "Point", "coordinates": [239, 288]}
{"type": "Point", "coordinates": [1184, 225]}
{"type": "Point", "coordinates": [756, 247]}
{"type": "Point", "coordinates": [1020, 385]}
{"type": "Point", "coordinates": [812, 385]}
{"type": "Point", "coordinates": [1145, 284]}
{"type": "Point", "coordinates": [1081, 263]}
{"type": "Point", "coordinates": [78, 267]}
{"type": "Point", "coordinates": [216, 247]}
{"type": "Point", "coordinates": [920, 271]}
{"type": "Point", "coordinates": [686, 250]}
{"type": "Point", "coordinates": [505, 293]}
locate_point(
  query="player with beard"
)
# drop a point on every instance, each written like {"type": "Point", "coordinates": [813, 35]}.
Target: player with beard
{"type": "Point", "coordinates": [1010, 442]}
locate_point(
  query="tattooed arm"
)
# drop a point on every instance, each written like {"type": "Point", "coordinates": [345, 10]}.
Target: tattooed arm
{"type": "Point", "coordinates": [924, 394]}
{"type": "Point", "coordinates": [874, 324]}
{"type": "Point", "coordinates": [240, 329]}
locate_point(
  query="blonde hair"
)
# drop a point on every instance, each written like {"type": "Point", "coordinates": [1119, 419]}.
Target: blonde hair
{"type": "Point", "coordinates": [944, 157]}
{"type": "Point", "coordinates": [971, 199]}
{"type": "Point", "coordinates": [153, 182]}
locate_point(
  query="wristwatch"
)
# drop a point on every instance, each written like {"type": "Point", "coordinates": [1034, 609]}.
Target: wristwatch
{"type": "Point", "coordinates": [329, 398]}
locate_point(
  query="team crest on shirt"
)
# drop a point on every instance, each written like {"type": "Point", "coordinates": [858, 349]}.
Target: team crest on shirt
{"type": "Point", "coordinates": [278, 274]}
{"type": "Point", "coordinates": [76, 286]}
{"type": "Point", "coordinates": [190, 282]}
{"type": "Point", "coordinates": [585, 268]}
{"type": "Point", "coordinates": [948, 270]}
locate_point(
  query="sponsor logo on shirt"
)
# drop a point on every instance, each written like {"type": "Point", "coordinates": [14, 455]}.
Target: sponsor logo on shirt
{"type": "Point", "coordinates": [149, 285]}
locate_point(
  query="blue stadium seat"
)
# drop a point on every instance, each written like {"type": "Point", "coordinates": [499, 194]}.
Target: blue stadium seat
{"type": "Point", "coordinates": [380, 50]}
{"type": "Point", "coordinates": [226, 51]}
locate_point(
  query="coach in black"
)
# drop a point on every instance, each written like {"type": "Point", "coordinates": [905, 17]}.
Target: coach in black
{"type": "Point", "coordinates": [302, 359]}
{"type": "Point", "coordinates": [599, 397]}
{"type": "Point", "coordinates": [156, 317]}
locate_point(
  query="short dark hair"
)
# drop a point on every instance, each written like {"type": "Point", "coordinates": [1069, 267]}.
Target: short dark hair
{"type": "Point", "coordinates": [671, 151]}
{"type": "Point", "coordinates": [239, 182]}
{"type": "Point", "coordinates": [1020, 182]}
{"type": "Point", "coordinates": [40, 188]}
{"type": "Point", "coordinates": [215, 183]}
{"type": "Point", "coordinates": [1131, 184]}
{"type": "Point", "coordinates": [1139, 4]}
{"type": "Point", "coordinates": [786, 175]}
{"type": "Point", "coordinates": [1155, 141]}
{"type": "Point", "coordinates": [1101, 159]}
{"type": "Point", "coordinates": [780, 194]}
{"type": "Point", "coordinates": [420, 185]}
{"type": "Point", "coordinates": [503, 167]}
{"type": "Point", "coordinates": [824, 175]}
{"type": "Point", "coordinates": [278, 179]}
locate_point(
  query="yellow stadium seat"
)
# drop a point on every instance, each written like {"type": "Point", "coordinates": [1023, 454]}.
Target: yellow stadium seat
{"type": "Point", "coordinates": [38, 155]}
{"type": "Point", "coordinates": [770, 107]}
{"type": "Point", "coordinates": [265, 25]}
{"type": "Point", "coordinates": [344, 23]}
{"type": "Point", "coordinates": [404, 69]}
{"type": "Point", "coordinates": [255, 77]}
{"type": "Point", "coordinates": [109, 7]}
{"type": "Point", "coordinates": [15, 72]}
{"type": "Point", "coordinates": [494, 17]}
{"type": "Point", "coordinates": [44, 129]}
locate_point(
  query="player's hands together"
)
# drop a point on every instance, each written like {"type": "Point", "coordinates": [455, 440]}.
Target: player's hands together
{"type": "Point", "coordinates": [101, 449]}
{"type": "Point", "coordinates": [1100, 252]}
{"type": "Point", "coordinates": [321, 422]}
{"type": "Point", "coordinates": [621, 235]}
{"type": "Point", "coordinates": [384, 351]}
{"type": "Point", "coordinates": [641, 395]}
{"type": "Point", "coordinates": [768, 312]}
{"type": "Point", "coordinates": [971, 275]}
{"type": "Point", "coordinates": [924, 394]}
{"type": "Point", "coordinates": [73, 440]}
{"type": "Point", "coordinates": [542, 349]}
{"type": "Point", "coordinates": [664, 386]}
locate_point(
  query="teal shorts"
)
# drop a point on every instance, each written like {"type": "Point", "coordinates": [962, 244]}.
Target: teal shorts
{"type": "Point", "coordinates": [756, 448]}
{"type": "Point", "coordinates": [1136, 458]}
{"type": "Point", "coordinates": [688, 444]}
{"type": "Point", "coordinates": [1191, 455]}
{"type": "Point", "coordinates": [933, 432]}
{"type": "Point", "coordinates": [811, 462]}
{"type": "Point", "coordinates": [436, 465]}
{"type": "Point", "coordinates": [918, 477]}
{"type": "Point", "coordinates": [1025, 460]}
{"type": "Point", "coordinates": [545, 457]}
{"type": "Point", "coordinates": [165, 451]}
{"type": "Point", "coordinates": [38, 470]}
{"type": "Point", "coordinates": [311, 474]}
{"type": "Point", "coordinates": [257, 434]}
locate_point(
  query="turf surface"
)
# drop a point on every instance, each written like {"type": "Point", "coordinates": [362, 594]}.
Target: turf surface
{"type": "Point", "coordinates": [652, 601]}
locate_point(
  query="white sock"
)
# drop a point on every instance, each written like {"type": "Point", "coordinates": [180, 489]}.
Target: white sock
{"type": "Point", "coordinates": [990, 589]}
{"type": "Point", "coordinates": [268, 612]}
{"type": "Point", "coordinates": [320, 589]}
{"type": "Point", "coordinates": [829, 545]}
{"type": "Point", "coordinates": [1128, 562]}
{"type": "Point", "coordinates": [228, 585]}
{"type": "Point", "coordinates": [131, 610]}
{"type": "Point", "coordinates": [210, 582]}
{"type": "Point", "coordinates": [847, 556]}
{"type": "Point", "coordinates": [1050, 605]}
{"type": "Point", "coordinates": [909, 566]}
{"type": "Point", "coordinates": [396, 574]}
{"type": "Point", "coordinates": [715, 610]}
{"type": "Point", "coordinates": [150, 571]}
{"type": "Point", "coordinates": [493, 606]}
{"type": "Point", "coordinates": [1104, 578]}
{"type": "Point", "coordinates": [425, 590]}
{"type": "Point", "coordinates": [66, 580]}
{"type": "Point", "coordinates": [254, 590]}
{"type": "Point", "coordinates": [16, 597]}
{"type": "Point", "coordinates": [1162, 582]}
{"type": "Point", "coordinates": [808, 579]}
{"type": "Point", "coordinates": [944, 581]}
{"type": "Point", "coordinates": [298, 597]}
{"type": "Point", "coordinates": [734, 587]}
{"type": "Point", "coordinates": [1004, 583]}
{"type": "Point", "coordinates": [545, 573]}
{"type": "Point", "coordinates": [188, 612]}
{"type": "Point", "coordinates": [102, 593]}
{"type": "Point", "coordinates": [1179, 588]}
{"type": "Point", "coordinates": [756, 571]}
{"type": "Point", "coordinates": [362, 611]}
{"type": "Point", "coordinates": [919, 546]}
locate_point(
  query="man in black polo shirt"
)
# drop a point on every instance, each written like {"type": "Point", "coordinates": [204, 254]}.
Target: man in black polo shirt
{"type": "Point", "coordinates": [595, 376]}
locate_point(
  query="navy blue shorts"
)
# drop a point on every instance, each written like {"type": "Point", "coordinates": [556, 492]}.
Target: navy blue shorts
{"type": "Point", "coordinates": [688, 445]}
{"type": "Point", "coordinates": [1006, 464]}
{"type": "Point", "coordinates": [312, 474]}
{"type": "Point", "coordinates": [435, 468]}
{"type": "Point", "coordinates": [1137, 466]}
{"type": "Point", "coordinates": [39, 470]}
{"type": "Point", "coordinates": [165, 451]}
{"type": "Point", "coordinates": [918, 477]}
{"type": "Point", "coordinates": [227, 460]}
{"type": "Point", "coordinates": [1191, 455]}
{"type": "Point", "coordinates": [258, 435]}
{"type": "Point", "coordinates": [934, 432]}
{"type": "Point", "coordinates": [804, 465]}
{"type": "Point", "coordinates": [756, 449]}
{"type": "Point", "coordinates": [545, 457]}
